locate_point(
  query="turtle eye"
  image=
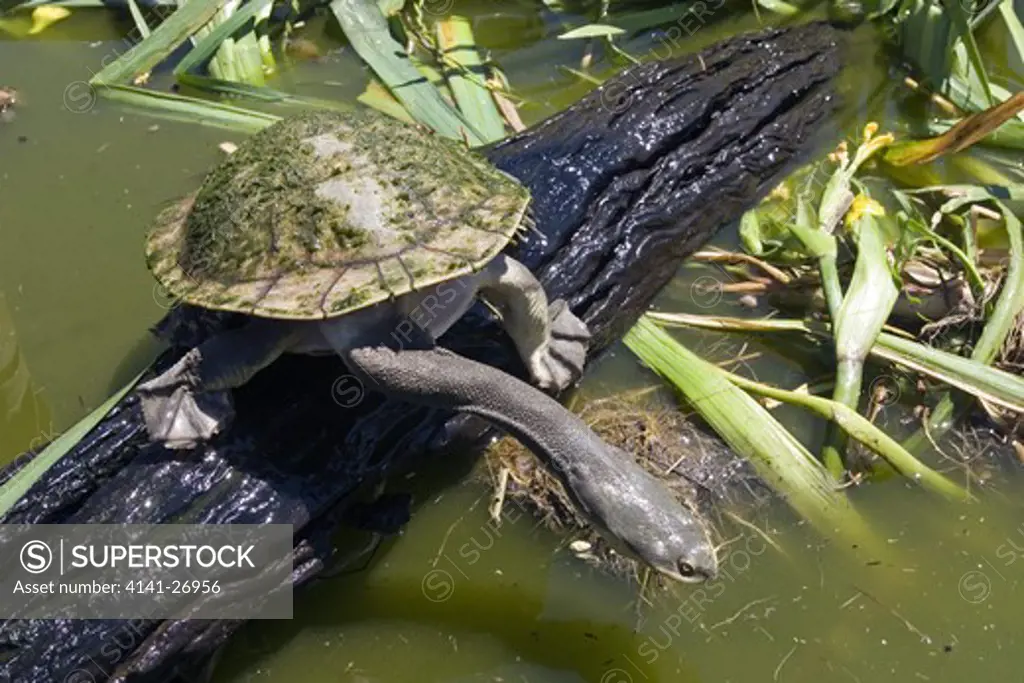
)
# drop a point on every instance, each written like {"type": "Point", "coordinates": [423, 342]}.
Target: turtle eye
{"type": "Point", "coordinates": [686, 570]}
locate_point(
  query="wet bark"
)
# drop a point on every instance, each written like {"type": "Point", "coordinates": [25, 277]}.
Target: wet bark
{"type": "Point", "coordinates": [626, 183]}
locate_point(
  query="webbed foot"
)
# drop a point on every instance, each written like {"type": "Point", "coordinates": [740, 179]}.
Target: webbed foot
{"type": "Point", "coordinates": [559, 363]}
{"type": "Point", "coordinates": [177, 415]}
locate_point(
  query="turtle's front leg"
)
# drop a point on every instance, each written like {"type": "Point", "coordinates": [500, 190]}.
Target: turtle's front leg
{"type": "Point", "coordinates": [191, 402]}
{"type": "Point", "coordinates": [551, 340]}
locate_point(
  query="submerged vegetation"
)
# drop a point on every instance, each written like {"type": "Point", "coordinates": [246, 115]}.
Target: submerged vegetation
{"type": "Point", "coordinates": [884, 266]}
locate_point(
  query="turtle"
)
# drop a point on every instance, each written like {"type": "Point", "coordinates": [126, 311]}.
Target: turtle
{"type": "Point", "coordinates": [356, 234]}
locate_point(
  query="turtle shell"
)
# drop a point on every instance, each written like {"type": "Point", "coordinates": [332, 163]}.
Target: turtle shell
{"type": "Point", "coordinates": [322, 214]}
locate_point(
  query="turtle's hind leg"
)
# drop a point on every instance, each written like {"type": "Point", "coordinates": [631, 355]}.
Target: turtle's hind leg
{"type": "Point", "coordinates": [191, 402]}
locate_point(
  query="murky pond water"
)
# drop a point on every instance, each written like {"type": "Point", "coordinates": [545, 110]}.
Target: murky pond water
{"type": "Point", "coordinates": [456, 598]}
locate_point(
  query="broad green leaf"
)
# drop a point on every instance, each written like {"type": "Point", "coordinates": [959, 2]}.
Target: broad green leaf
{"type": "Point", "coordinates": [869, 298]}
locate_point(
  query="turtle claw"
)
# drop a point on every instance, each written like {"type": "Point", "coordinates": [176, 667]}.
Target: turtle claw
{"type": "Point", "coordinates": [179, 417]}
{"type": "Point", "coordinates": [559, 363]}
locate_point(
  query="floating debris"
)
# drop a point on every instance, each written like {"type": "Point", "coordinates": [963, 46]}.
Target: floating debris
{"type": "Point", "coordinates": [580, 546]}
{"type": "Point", "coordinates": [8, 98]}
{"type": "Point", "coordinates": [303, 48]}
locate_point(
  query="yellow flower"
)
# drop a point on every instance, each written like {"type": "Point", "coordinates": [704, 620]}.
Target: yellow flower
{"type": "Point", "coordinates": [869, 131]}
{"type": "Point", "coordinates": [841, 155]}
{"type": "Point", "coordinates": [863, 205]}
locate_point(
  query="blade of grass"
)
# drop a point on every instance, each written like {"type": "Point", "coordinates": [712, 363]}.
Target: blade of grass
{"type": "Point", "coordinates": [862, 430]}
{"type": "Point", "coordinates": [379, 97]}
{"type": "Point", "coordinates": [915, 223]}
{"type": "Point", "coordinates": [866, 306]}
{"type": "Point", "coordinates": [248, 55]}
{"type": "Point", "coordinates": [162, 42]}
{"type": "Point", "coordinates": [780, 459]}
{"type": "Point", "coordinates": [964, 93]}
{"type": "Point", "coordinates": [969, 194]}
{"type": "Point", "coordinates": [1013, 27]}
{"type": "Point", "coordinates": [966, 374]}
{"type": "Point", "coordinates": [262, 30]}
{"type": "Point", "coordinates": [189, 109]}
{"type": "Point", "coordinates": [97, 4]}
{"type": "Point", "coordinates": [822, 246]}
{"type": "Point", "coordinates": [245, 51]}
{"type": "Point", "coordinates": [779, 7]}
{"type": "Point", "coordinates": [1010, 135]}
{"type": "Point", "coordinates": [464, 72]}
{"type": "Point", "coordinates": [962, 135]}
{"type": "Point", "coordinates": [367, 29]}
{"type": "Point", "coordinates": [224, 65]}
{"type": "Point", "coordinates": [956, 12]}
{"type": "Point", "coordinates": [925, 39]}
{"type": "Point", "coordinates": [140, 21]}
{"type": "Point", "coordinates": [591, 31]}
{"type": "Point", "coordinates": [18, 485]}
{"type": "Point", "coordinates": [259, 94]}
{"type": "Point", "coordinates": [1008, 306]}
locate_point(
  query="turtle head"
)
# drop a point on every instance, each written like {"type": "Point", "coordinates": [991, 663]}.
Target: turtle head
{"type": "Point", "coordinates": [680, 550]}
{"type": "Point", "coordinates": [641, 518]}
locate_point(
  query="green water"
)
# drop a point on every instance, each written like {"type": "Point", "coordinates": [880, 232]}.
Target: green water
{"type": "Point", "coordinates": [932, 594]}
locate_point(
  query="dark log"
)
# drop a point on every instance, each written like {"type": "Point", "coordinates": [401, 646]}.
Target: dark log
{"type": "Point", "coordinates": [627, 182]}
